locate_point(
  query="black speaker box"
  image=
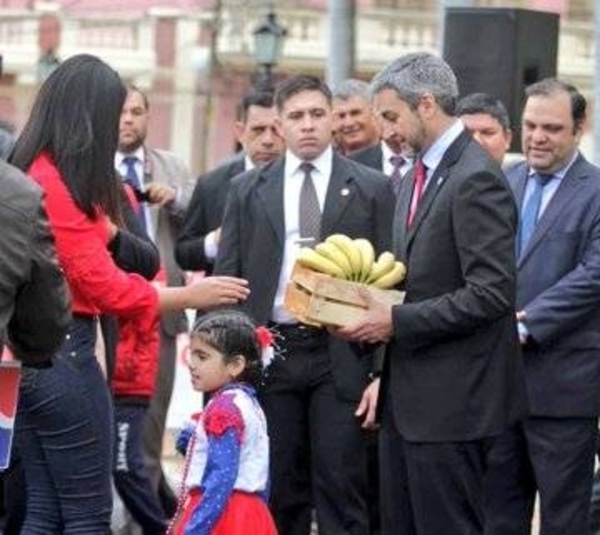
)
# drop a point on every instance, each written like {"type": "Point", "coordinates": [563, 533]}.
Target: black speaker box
{"type": "Point", "coordinates": [501, 51]}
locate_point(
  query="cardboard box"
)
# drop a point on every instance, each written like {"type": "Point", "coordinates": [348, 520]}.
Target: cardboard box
{"type": "Point", "coordinates": [319, 299]}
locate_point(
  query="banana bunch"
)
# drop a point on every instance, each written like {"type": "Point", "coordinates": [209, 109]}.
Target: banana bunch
{"type": "Point", "coordinates": [354, 260]}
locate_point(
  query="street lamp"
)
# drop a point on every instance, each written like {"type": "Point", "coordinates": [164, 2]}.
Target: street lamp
{"type": "Point", "coordinates": [268, 43]}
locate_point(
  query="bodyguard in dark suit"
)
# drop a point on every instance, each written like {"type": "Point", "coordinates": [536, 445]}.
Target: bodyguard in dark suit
{"type": "Point", "coordinates": [197, 245]}
{"type": "Point", "coordinates": [558, 307]}
{"type": "Point", "coordinates": [452, 378]}
{"type": "Point", "coordinates": [311, 391]}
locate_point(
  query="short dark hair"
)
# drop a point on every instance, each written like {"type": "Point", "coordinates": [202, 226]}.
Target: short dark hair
{"type": "Point", "coordinates": [131, 88]}
{"type": "Point", "coordinates": [232, 333]}
{"type": "Point", "coordinates": [75, 118]}
{"type": "Point", "coordinates": [263, 99]}
{"type": "Point", "coordinates": [297, 84]}
{"type": "Point", "coordinates": [484, 103]}
{"type": "Point", "coordinates": [551, 86]}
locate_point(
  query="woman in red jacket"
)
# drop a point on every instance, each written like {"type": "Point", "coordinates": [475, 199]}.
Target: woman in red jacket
{"type": "Point", "coordinates": [65, 414]}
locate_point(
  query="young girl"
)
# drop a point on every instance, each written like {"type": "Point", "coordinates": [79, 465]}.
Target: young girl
{"type": "Point", "coordinates": [225, 478]}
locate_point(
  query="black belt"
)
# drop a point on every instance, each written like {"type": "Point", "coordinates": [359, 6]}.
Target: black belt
{"type": "Point", "coordinates": [83, 318]}
{"type": "Point", "coordinates": [298, 331]}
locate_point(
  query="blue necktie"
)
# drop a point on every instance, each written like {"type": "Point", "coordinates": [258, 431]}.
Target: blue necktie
{"type": "Point", "coordinates": [131, 178]}
{"type": "Point", "coordinates": [531, 211]}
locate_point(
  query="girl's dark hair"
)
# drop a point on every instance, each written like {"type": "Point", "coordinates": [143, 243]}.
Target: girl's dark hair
{"type": "Point", "coordinates": [75, 118]}
{"type": "Point", "coordinates": [232, 333]}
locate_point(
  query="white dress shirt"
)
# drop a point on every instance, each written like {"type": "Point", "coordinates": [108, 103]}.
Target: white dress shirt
{"type": "Point", "coordinates": [293, 177]}
{"type": "Point", "coordinates": [387, 167]}
{"type": "Point", "coordinates": [121, 167]}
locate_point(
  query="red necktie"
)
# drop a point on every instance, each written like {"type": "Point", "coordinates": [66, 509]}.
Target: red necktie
{"type": "Point", "coordinates": [420, 177]}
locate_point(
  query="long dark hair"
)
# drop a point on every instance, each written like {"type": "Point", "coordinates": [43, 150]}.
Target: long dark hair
{"type": "Point", "coordinates": [75, 118]}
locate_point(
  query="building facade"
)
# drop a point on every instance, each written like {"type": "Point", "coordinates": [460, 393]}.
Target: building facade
{"type": "Point", "coordinates": [194, 57]}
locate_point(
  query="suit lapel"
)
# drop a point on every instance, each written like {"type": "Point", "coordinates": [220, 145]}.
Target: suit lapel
{"type": "Point", "coordinates": [556, 207]}
{"type": "Point", "coordinates": [436, 182]}
{"type": "Point", "coordinates": [519, 185]}
{"type": "Point", "coordinates": [401, 214]}
{"type": "Point", "coordinates": [237, 168]}
{"type": "Point", "coordinates": [376, 157]}
{"type": "Point", "coordinates": [270, 193]}
{"type": "Point", "coordinates": [340, 192]}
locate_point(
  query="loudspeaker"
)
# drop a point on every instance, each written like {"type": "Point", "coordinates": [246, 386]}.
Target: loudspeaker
{"type": "Point", "coordinates": [501, 51]}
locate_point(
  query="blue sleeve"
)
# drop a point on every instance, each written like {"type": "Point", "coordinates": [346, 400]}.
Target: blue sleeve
{"type": "Point", "coordinates": [223, 458]}
{"type": "Point", "coordinates": [183, 439]}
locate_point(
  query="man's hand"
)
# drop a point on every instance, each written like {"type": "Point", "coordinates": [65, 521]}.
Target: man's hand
{"type": "Point", "coordinates": [160, 194]}
{"type": "Point", "coordinates": [368, 405]}
{"type": "Point", "coordinates": [374, 326]}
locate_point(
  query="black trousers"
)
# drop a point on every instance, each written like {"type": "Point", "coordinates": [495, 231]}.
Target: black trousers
{"type": "Point", "coordinates": [156, 418]}
{"type": "Point", "coordinates": [430, 488]}
{"type": "Point", "coordinates": [130, 472]}
{"type": "Point", "coordinates": [553, 456]}
{"type": "Point", "coordinates": [318, 449]}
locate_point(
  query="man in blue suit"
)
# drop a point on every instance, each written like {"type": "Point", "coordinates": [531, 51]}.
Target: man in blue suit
{"type": "Point", "coordinates": [558, 313]}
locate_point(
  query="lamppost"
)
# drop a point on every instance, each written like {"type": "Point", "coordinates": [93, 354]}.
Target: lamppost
{"type": "Point", "coordinates": [268, 43]}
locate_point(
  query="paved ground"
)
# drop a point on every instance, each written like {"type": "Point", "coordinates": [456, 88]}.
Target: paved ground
{"type": "Point", "coordinates": [173, 464]}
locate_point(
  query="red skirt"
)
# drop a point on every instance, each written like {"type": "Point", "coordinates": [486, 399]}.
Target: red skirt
{"type": "Point", "coordinates": [244, 514]}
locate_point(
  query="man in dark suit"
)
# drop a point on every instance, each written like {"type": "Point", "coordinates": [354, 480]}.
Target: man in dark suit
{"type": "Point", "coordinates": [197, 245]}
{"type": "Point", "coordinates": [452, 377]}
{"type": "Point", "coordinates": [558, 308]}
{"type": "Point", "coordinates": [311, 390]}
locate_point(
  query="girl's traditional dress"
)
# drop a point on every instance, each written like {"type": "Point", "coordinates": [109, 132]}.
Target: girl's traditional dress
{"type": "Point", "coordinates": [225, 480]}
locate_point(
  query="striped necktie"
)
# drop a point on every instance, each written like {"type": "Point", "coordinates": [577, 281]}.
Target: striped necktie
{"type": "Point", "coordinates": [310, 211]}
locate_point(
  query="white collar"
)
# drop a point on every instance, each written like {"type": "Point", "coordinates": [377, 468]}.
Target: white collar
{"type": "Point", "coordinates": [321, 162]}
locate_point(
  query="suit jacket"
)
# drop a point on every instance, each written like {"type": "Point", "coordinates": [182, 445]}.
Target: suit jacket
{"type": "Point", "coordinates": [453, 370]}
{"type": "Point", "coordinates": [558, 286]}
{"type": "Point", "coordinates": [131, 248]}
{"type": "Point", "coordinates": [359, 203]}
{"type": "Point", "coordinates": [165, 168]}
{"type": "Point", "coordinates": [34, 298]}
{"type": "Point", "coordinates": [371, 156]}
{"type": "Point", "coordinates": [204, 214]}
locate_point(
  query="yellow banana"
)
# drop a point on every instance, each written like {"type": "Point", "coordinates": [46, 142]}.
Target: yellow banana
{"type": "Point", "coordinates": [367, 255]}
{"type": "Point", "coordinates": [332, 252]}
{"type": "Point", "coordinates": [346, 245]}
{"type": "Point", "coordinates": [311, 259]}
{"type": "Point", "coordinates": [385, 262]}
{"type": "Point", "coordinates": [391, 278]}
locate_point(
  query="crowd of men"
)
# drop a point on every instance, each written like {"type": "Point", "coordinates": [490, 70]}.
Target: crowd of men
{"type": "Point", "coordinates": [448, 413]}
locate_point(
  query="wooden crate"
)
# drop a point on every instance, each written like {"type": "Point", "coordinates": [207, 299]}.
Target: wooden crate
{"type": "Point", "coordinates": [318, 299]}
